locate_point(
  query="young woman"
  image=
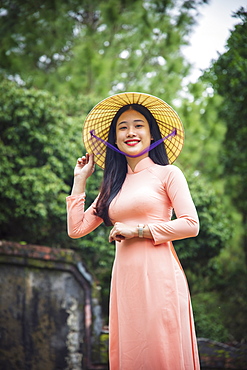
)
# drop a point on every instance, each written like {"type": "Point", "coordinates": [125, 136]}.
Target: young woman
{"type": "Point", "coordinates": [134, 137]}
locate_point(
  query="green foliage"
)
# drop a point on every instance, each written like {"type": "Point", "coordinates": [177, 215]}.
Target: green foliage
{"type": "Point", "coordinates": [219, 298]}
{"type": "Point", "coordinates": [234, 295]}
{"type": "Point", "coordinates": [228, 278]}
{"type": "Point", "coordinates": [228, 77]}
{"type": "Point", "coordinates": [208, 317]}
{"type": "Point", "coordinates": [33, 35]}
{"type": "Point", "coordinates": [215, 227]}
{"type": "Point", "coordinates": [38, 144]}
{"type": "Point", "coordinates": [219, 288]}
{"type": "Point", "coordinates": [97, 46]}
{"type": "Point", "coordinates": [204, 131]}
{"type": "Point", "coordinates": [135, 46]}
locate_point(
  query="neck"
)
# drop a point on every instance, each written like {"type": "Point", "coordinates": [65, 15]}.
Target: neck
{"type": "Point", "coordinates": [132, 162]}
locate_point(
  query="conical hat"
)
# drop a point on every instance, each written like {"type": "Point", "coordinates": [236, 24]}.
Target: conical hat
{"type": "Point", "coordinates": [100, 118]}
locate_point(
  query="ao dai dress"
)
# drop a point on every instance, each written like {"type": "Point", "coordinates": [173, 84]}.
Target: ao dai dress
{"type": "Point", "coordinates": [151, 320]}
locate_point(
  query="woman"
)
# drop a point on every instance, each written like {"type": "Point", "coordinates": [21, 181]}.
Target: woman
{"type": "Point", "coordinates": [134, 137]}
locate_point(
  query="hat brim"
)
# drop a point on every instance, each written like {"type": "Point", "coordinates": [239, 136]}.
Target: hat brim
{"type": "Point", "coordinates": [100, 118]}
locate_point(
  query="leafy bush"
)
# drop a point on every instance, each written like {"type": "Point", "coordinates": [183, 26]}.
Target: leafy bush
{"type": "Point", "coordinates": [208, 317]}
{"type": "Point", "coordinates": [38, 146]}
{"type": "Point", "coordinates": [215, 227]}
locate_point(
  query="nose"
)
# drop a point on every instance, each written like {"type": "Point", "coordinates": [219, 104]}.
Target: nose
{"type": "Point", "coordinates": [131, 132]}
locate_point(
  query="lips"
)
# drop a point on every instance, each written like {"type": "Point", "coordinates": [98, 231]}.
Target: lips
{"type": "Point", "coordinates": [132, 142]}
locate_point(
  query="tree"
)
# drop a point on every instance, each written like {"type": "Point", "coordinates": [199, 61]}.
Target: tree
{"type": "Point", "coordinates": [36, 36]}
{"type": "Point", "coordinates": [226, 278]}
{"type": "Point", "coordinates": [97, 47]}
{"type": "Point", "coordinates": [227, 76]}
{"type": "Point", "coordinates": [215, 228]}
{"type": "Point", "coordinates": [38, 144]}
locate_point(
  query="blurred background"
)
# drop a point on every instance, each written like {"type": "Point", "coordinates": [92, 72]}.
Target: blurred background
{"type": "Point", "coordinates": [57, 60]}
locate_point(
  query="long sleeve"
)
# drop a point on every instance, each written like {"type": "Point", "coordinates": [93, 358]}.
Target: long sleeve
{"type": "Point", "coordinates": [80, 222]}
{"type": "Point", "coordinates": [186, 223]}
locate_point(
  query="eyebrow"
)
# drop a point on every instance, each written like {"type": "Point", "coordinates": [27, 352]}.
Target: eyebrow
{"type": "Point", "coordinates": [136, 120]}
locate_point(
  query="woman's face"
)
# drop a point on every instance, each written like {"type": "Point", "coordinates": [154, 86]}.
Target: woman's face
{"type": "Point", "coordinates": [132, 133]}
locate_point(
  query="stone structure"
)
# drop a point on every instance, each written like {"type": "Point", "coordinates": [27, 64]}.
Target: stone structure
{"type": "Point", "coordinates": [48, 320]}
{"type": "Point", "coordinates": [217, 356]}
{"type": "Point", "coordinates": [45, 309]}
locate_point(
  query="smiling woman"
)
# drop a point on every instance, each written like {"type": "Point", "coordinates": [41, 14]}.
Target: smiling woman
{"type": "Point", "coordinates": [135, 136]}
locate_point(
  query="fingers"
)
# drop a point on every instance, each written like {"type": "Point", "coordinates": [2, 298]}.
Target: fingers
{"type": "Point", "coordinates": [81, 160]}
{"type": "Point", "coordinates": [115, 233]}
{"type": "Point", "coordinates": [112, 234]}
{"type": "Point", "coordinates": [91, 161]}
{"type": "Point", "coordinates": [117, 238]}
{"type": "Point", "coordinates": [86, 159]}
{"type": "Point", "coordinates": [90, 158]}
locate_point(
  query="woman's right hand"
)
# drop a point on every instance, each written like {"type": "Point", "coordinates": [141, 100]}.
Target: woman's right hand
{"type": "Point", "coordinates": [83, 169]}
{"type": "Point", "coordinates": [84, 166]}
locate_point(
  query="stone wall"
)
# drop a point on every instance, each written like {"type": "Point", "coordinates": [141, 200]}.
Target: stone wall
{"type": "Point", "coordinates": [45, 309]}
{"type": "Point", "coordinates": [217, 356]}
{"type": "Point", "coordinates": [48, 322]}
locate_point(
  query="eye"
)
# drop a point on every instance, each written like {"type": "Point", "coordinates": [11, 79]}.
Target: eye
{"type": "Point", "coordinates": [121, 128]}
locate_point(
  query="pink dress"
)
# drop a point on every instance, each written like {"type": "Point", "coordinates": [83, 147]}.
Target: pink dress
{"type": "Point", "coordinates": [151, 320]}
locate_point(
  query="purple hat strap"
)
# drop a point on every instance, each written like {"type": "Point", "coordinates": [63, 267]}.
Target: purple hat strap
{"type": "Point", "coordinates": [150, 147]}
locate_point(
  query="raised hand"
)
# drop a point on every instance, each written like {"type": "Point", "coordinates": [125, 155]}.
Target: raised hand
{"type": "Point", "coordinates": [83, 169]}
{"type": "Point", "coordinates": [84, 166]}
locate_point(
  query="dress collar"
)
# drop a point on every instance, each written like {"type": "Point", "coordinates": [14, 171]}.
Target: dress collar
{"type": "Point", "coordinates": [142, 165]}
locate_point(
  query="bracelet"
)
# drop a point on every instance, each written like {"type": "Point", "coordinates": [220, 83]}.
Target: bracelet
{"type": "Point", "coordinates": [140, 230]}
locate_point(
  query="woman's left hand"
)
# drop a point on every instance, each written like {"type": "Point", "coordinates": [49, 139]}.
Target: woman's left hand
{"type": "Point", "coordinates": [122, 231]}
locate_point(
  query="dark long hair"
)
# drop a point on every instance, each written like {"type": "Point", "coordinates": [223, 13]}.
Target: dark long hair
{"type": "Point", "coordinates": [116, 163]}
